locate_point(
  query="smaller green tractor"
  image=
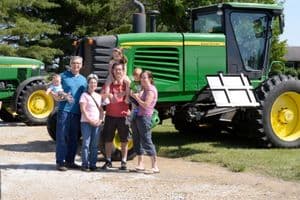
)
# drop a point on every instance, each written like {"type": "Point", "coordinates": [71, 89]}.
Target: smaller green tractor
{"type": "Point", "coordinates": [22, 91]}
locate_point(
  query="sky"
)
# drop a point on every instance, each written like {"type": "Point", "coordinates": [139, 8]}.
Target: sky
{"type": "Point", "coordinates": [292, 26]}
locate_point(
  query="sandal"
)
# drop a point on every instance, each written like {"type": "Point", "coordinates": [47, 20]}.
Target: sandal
{"type": "Point", "coordinates": [152, 171]}
{"type": "Point", "coordinates": [139, 169]}
{"type": "Point", "coordinates": [155, 171]}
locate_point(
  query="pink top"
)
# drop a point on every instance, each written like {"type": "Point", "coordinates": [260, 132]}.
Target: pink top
{"type": "Point", "coordinates": [91, 108]}
{"type": "Point", "coordinates": [149, 110]}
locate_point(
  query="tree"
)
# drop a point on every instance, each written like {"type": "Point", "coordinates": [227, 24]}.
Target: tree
{"type": "Point", "coordinates": [24, 33]}
{"type": "Point", "coordinates": [81, 18]}
{"type": "Point", "coordinates": [45, 29]}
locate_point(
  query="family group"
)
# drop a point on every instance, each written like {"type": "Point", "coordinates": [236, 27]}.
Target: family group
{"type": "Point", "coordinates": [129, 104]}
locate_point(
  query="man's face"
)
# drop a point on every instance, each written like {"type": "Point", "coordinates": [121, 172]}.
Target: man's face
{"type": "Point", "coordinates": [76, 65]}
{"type": "Point", "coordinates": [118, 72]}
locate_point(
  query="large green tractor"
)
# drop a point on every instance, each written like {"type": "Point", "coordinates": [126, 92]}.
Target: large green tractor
{"type": "Point", "coordinates": [215, 75]}
{"type": "Point", "coordinates": [22, 91]}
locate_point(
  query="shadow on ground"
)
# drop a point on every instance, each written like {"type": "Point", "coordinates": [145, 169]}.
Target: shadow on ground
{"type": "Point", "coordinates": [176, 144]}
{"type": "Point", "coordinates": [30, 166]}
{"type": "Point", "coordinates": [11, 124]}
{"type": "Point", "coordinates": [34, 146]}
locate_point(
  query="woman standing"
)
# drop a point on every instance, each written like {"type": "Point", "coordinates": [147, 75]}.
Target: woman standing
{"type": "Point", "coordinates": [91, 119]}
{"type": "Point", "coordinates": [141, 125]}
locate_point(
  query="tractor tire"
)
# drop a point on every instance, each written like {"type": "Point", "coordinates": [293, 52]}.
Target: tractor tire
{"type": "Point", "coordinates": [7, 116]}
{"type": "Point", "coordinates": [184, 127]}
{"type": "Point", "coordinates": [116, 151]}
{"type": "Point", "coordinates": [51, 125]}
{"type": "Point", "coordinates": [182, 124]}
{"type": "Point", "coordinates": [245, 123]}
{"type": "Point", "coordinates": [34, 105]}
{"type": "Point", "coordinates": [279, 113]}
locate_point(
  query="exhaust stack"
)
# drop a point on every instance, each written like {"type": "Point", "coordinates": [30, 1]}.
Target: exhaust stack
{"type": "Point", "coordinates": [139, 19]}
{"type": "Point", "coordinates": [152, 14]}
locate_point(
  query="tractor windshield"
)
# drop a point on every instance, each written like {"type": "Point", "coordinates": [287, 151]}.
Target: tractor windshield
{"type": "Point", "coordinates": [250, 31]}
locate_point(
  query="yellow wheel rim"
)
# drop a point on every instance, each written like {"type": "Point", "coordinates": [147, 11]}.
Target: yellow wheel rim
{"type": "Point", "coordinates": [285, 116]}
{"type": "Point", "coordinates": [117, 142]}
{"type": "Point", "coordinates": [39, 104]}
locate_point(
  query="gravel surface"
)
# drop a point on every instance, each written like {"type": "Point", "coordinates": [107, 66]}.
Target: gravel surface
{"type": "Point", "coordinates": [27, 167]}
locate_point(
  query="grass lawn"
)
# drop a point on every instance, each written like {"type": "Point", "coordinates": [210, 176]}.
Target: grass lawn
{"type": "Point", "coordinates": [237, 154]}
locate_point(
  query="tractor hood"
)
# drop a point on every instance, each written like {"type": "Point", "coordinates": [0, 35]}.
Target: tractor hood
{"type": "Point", "coordinates": [19, 62]}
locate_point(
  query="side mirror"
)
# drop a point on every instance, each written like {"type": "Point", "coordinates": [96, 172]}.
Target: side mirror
{"type": "Point", "coordinates": [281, 23]}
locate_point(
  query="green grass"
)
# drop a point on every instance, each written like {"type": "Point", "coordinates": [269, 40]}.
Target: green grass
{"type": "Point", "coordinates": [235, 153]}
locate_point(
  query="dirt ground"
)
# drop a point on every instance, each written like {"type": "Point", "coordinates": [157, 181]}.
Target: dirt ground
{"type": "Point", "coordinates": [27, 164]}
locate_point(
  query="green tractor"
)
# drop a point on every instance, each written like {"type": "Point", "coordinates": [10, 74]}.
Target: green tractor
{"type": "Point", "coordinates": [22, 91]}
{"type": "Point", "coordinates": [215, 75]}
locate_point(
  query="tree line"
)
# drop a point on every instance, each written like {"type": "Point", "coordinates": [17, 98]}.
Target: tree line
{"type": "Point", "coordinates": [45, 29]}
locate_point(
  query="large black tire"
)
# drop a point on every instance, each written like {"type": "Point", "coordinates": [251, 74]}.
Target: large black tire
{"type": "Point", "coordinates": [34, 105]}
{"type": "Point", "coordinates": [245, 123]}
{"type": "Point", "coordinates": [7, 116]}
{"type": "Point", "coordinates": [116, 151]}
{"type": "Point", "coordinates": [279, 113]}
{"type": "Point", "coordinates": [51, 125]}
{"type": "Point", "coordinates": [183, 126]}
{"type": "Point", "coordinates": [182, 123]}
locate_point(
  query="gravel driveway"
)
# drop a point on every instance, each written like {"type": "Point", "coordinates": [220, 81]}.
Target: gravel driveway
{"type": "Point", "coordinates": [27, 167]}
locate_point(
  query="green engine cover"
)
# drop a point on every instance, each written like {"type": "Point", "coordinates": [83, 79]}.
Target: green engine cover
{"type": "Point", "coordinates": [178, 61]}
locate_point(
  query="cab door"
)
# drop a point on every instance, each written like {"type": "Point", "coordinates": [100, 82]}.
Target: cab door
{"type": "Point", "coordinates": [247, 42]}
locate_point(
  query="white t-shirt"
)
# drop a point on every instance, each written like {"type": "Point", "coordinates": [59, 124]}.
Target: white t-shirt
{"type": "Point", "coordinates": [91, 107]}
{"type": "Point", "coordinates": [56, 88]}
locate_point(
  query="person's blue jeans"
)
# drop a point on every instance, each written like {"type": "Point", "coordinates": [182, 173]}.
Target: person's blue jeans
{"type": "Point", "coordinates": [67, 131]}
{"type": "Point", "coordinates": [142, 136]}
{"type": "Point", "coordinates": [90, 141]}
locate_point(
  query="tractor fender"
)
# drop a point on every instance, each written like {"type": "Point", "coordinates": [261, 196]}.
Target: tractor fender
{"type": "Point", "coordinates": [23, 85]}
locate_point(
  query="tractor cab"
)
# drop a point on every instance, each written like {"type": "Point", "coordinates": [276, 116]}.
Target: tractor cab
{"type": "Point", "coordinates": [248, 31]}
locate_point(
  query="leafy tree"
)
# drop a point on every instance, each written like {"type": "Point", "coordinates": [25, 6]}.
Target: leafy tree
{"type": "Point", "coordinates": [23, 32]}
{"type": "Point", "coordinates": [45, 29]}
{"type": "Point", "coordinates": [278, 49]}
{"type": "Point", "coordinates": [80, 18]}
